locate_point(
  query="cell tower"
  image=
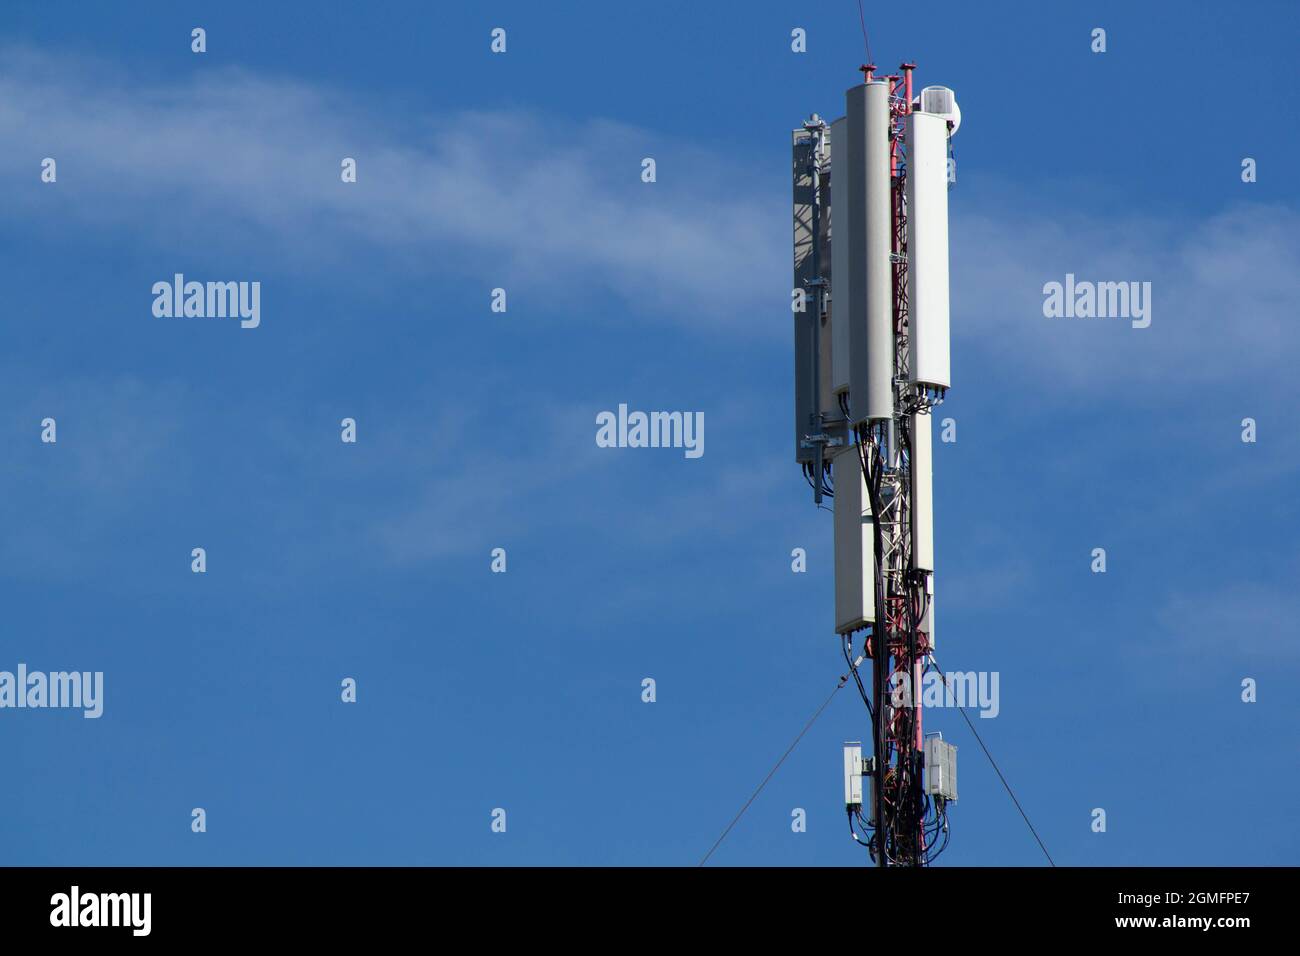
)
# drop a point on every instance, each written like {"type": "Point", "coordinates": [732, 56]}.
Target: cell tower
{"type": "Point", "coordinates": [871, 362]}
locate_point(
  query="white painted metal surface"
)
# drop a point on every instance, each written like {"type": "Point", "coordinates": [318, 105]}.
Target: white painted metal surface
{"type": "Point", "coordinates": [855, 555]}
{"type": "Point", "coordinates": [927, 248]}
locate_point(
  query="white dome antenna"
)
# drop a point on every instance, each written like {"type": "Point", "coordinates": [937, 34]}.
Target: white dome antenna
{"type": "Point", "coordinates": [941, 101]}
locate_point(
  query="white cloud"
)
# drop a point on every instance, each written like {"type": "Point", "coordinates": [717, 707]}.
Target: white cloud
{"type": "Point", "coordinates": [1223, 294]}
{"type": "Point", "coordinates": [501, 197]}
{"type": "Point", "coordinates": [517, 198]}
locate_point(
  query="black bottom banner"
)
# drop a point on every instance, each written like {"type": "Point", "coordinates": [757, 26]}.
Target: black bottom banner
{"type": "Point", "coordinates": [93, 905]}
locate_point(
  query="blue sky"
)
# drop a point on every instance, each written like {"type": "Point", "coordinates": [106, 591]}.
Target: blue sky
{"type": "Point", "coordinates": [476, 430]}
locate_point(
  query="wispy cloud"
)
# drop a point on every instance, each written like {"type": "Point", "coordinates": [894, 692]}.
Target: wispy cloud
{"type": "Point", "coordinates": [1223, 288]}
{"type": "Point", "coordinates": [522, 198]}
{"type": "Point", "coordinates": [509, 490]}
{"type": "Point", "coordinates": [498, 196]}
{"type": "Point", "coordinates": [1250, 619]}
{"type": "Point", "coordinates": [113, 437]}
